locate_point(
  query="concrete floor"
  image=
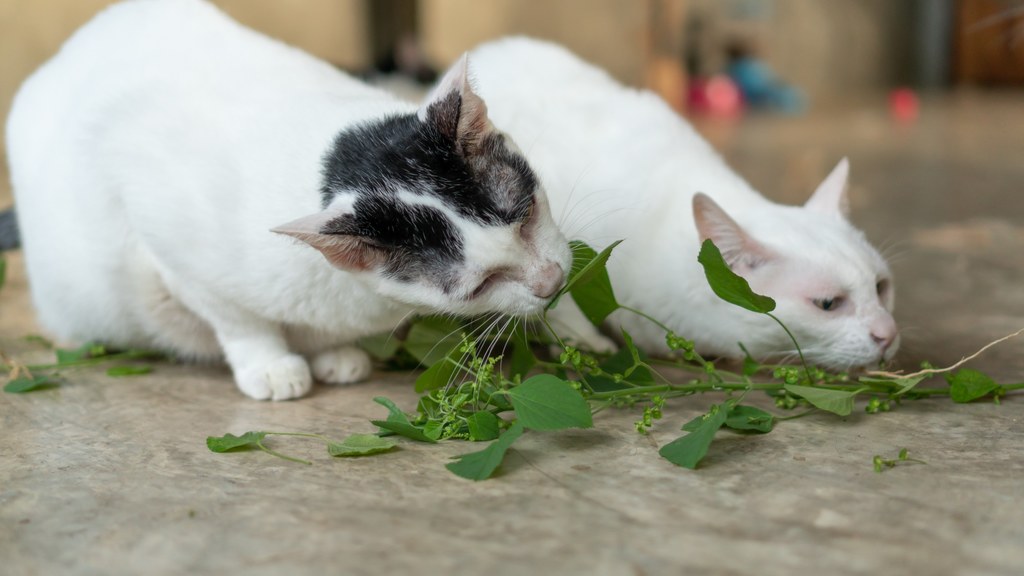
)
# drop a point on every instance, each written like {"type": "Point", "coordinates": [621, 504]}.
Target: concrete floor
{"type": "Point", "coordinates": [111, 476]}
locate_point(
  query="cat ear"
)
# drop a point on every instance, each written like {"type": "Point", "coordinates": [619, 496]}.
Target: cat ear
{"type": "Point", "coordinates": [455, 109]}
{"type": "Point", "coordinates": [830, 197]}
{"type": "Point", "coordinates": [738, 248]}
{"type": "Point", "coordinates": [344, 251]}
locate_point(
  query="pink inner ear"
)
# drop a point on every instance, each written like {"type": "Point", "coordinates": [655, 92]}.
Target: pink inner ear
{"type": "Point", "coordinates": [472, 120]}
{"type": "Point", "coordinates": [341, 250]}
{"type": "Point", "coordinates": [344, 252]}
{"type": "Point", "coordinates": [830, 197]}
{"type": "Point", "coordinates": [737, 247]}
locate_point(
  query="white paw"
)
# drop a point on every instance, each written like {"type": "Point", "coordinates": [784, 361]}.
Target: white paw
{"type": "Point", "coordinates": [281, 379]}
{"type": "Point", "coordinates": [342, 366]}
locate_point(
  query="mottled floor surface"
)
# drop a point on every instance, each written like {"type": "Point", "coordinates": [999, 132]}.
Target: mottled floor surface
{"type": "Point", "coordinates": [111, 476]}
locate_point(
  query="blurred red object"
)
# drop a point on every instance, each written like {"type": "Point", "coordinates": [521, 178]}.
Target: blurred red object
{"type": "Point", "coordinates": [715, 96]}
{"type": "Point", "coordinates": [903, 104]}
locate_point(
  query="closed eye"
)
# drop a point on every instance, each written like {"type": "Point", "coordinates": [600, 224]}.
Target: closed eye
{"type": "Point", "coordinates": [488, 282]}
{"type": "Point", "coordinates": [828, 304]}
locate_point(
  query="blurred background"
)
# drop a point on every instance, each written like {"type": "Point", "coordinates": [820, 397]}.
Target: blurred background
{"type": "Point", "coordinates": [924, 96]}
{"type": "Point", "coordinates": [817, 50]}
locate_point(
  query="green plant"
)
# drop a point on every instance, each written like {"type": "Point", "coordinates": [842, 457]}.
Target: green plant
{"type": "Point", "coordinates": [465, 395]}
{"type": "Point", "coordinates": [28, 378]}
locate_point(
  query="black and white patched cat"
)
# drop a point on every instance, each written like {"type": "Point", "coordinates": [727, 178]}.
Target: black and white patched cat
{"type": "Point", "coordinates": [152, 156]}
{"type": "Point", "coordinates": [618, 163]}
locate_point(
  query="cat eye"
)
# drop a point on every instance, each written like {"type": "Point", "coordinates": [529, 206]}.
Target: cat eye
{"type": "Point", "coordinates": [489, 281]}
{"type": "Point", "coordinates": [828, 304]}
{"type": "Point", "coordinates": [882, 287]}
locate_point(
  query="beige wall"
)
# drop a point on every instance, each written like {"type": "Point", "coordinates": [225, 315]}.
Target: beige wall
{"type": "Point", "coordinates": [612, 33]}
{"type": "Point", "coordinates": [31, 31]}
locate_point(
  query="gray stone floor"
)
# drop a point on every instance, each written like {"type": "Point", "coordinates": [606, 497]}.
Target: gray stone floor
{"type": "Point", "coordinates": [111, 476]}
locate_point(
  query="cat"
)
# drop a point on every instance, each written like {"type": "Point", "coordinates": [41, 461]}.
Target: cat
{"type": "Point", "coordinates": [152, 156]}
{"type": "Point", "coordinates": [622, 164]}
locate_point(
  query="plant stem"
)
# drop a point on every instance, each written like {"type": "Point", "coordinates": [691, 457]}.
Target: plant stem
{"type": "Point", "coordinates": [648, 317]}
{"type": "Point", "coordinates": [795, 343]}
{"type": "Point", "coordinates": [282, 456]}
{"type": "Point", "coordinates": [128, 355]}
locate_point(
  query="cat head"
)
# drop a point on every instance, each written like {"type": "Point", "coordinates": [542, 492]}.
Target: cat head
{"type": "Point", "coordinates": [832, 289]}
{"type": "Point", "coordinates": [439, 209]}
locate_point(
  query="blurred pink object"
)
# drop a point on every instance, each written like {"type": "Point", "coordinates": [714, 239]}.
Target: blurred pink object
{"type": "Point", "coordinates": [903, 104]}
{"type": "Point", "coordinates": [715, 96]}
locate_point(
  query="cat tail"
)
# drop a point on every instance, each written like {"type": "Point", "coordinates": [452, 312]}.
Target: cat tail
{"type": "Point", "coordinates": [9, 236]}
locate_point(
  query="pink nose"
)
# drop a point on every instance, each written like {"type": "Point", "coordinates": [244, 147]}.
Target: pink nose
{"type": "Point", "coordinates": [883, 332]}
{"type": "Point", "coordinates": [547, 280]}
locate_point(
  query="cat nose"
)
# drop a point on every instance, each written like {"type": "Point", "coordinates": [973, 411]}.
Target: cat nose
{"type": "Point", "coordinates": [884, 332]}
{"type": "Point", "coordinates": [547, 280]}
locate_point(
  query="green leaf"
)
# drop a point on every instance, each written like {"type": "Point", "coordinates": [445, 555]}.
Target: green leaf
{"type": "Point", "coordinates": [437, 376]}
{"type": "Point", "coordinates": [37, 339]}
{"type": "Point", "coordinates": [589, 284]}
{"type": "Point", "coordinates": [433, 429]}
{"type": "Point", "coordinates": [83, 352]}
{"type": "Point", "coordinates": [231, 442]}
{"type": "Point", "coordinates": [906, 384]}
{"type": "Point", "coordinates": [360, 445]}
{"type": "Point", "coordinates": [835, 401]}
{"type": "Point", "coordinates": [128, 370]}
{"type": "Point", "coordinates": [433, 338]}
{"type": "Point", "coordinates": [522, 359]}
{"type": "Point", "coordinates": [687, 451]}
{"type": "Point", "coordinates": [480, 465]}
{"type": "Point", "coordinates": [967, 385]}
{"type": "Point", "coordinates": [405, 429]}
{"type": "Point", "coordinates": [750, 366]}
{"type": "Point", "coordinates": [24, 384]}
{"type": "Point", "coordinates": [381, 346]}
{"type": "Point", "coordinates": [546, 402]}
{"type": "Point", "coordinates": [619, 363]}
{"type": "Point", "coordinates": [3, 271]}
{"type": "Point", "coordinates": [399, 423]}
{"type": "Point", "coordinates": [749, 419]}
{"type": "Point", "coordinates": [729, 286]}
{"type": "Point", "coordinates": [483, 426]}
{"type": "Point", "coordinates": [741, 418]}
{"type": "Point", "coordinates": [634, 353]}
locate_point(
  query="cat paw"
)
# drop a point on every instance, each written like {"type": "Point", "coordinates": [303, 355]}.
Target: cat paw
{"type": "Point", "coordinates": [342, 366]}
{"type": "Point", "coordinates": [281, 379]}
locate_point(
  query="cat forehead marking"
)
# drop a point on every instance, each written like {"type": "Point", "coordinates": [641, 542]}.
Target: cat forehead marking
{"type": "Point", "coordinates": [494, 185]}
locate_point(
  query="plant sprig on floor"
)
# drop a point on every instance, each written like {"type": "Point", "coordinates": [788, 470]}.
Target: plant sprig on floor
{"type": "Point", "coordinates": [23, 378]}
{"type": "Point", "coordinates": [465, 394]}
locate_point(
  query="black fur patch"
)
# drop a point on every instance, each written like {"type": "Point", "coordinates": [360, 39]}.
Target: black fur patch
{"type": "Point", "coordinates": [493, 185]}
{"type": "Point", "coordinates": [417, 240]}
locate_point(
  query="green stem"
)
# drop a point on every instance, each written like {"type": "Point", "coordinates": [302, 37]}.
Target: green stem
{"type": "Point", "coordinates": [795, 343]}
{"type": "Point", "coordinates": [795, 416]}
{"type": "Point", "coordinates": [282, 456]}
{"type": "Point", "coordinates": [129, 355]}
{"type": "Point", "coordinates": [303, 434]}
{"type": "Point", "coordinates": [643, 315]}
{"type": "Point", "coordinates": [684, 388]}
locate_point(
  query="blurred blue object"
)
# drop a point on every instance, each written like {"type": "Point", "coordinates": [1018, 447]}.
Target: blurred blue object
{"type": "Point", "coordinates": [761, 89]}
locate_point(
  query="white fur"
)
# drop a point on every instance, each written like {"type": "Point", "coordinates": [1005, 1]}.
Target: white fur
{"type": "Point", "coordinates": [151, 157]}
{"type": "Point", "coordinates": [619, 163]}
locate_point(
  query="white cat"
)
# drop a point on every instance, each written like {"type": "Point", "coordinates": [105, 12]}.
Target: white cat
{"type": "Point", "coordinates": [620, 164]}
{"type": "Point", "coordinates": [151, 157]}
